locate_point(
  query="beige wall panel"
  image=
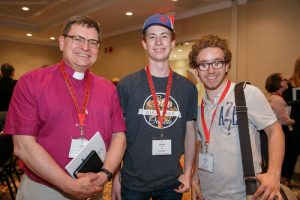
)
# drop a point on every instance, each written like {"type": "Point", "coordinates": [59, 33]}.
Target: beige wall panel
{"type": "Point", "coordinates": [192, 28]}
{"type": "Point", "coordinates": [127, 56]}
{"type": "Point", "coordinates": [25, 57]}
{"type": "Point", "coordinates": [273, 38]}
{"type": "Point", "coordinates": [242, 45]}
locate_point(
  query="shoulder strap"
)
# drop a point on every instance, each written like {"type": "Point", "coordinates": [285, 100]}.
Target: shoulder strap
{"type": "Point", "coordinates": [245, 144]}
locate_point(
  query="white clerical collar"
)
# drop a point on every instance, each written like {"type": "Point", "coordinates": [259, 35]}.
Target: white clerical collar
{"type": "Point", "coordinates": [78, 75]}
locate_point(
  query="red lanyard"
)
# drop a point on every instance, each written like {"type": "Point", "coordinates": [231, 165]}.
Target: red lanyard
{"type": "Point", "coordinates": [81, 113]}
{"type": "Point", "coordinates": [160, 117]}
{"type": "Point", "coordinates": [207, 131]}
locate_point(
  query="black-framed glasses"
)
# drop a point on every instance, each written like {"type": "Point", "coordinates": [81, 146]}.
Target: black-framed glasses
{"type": "Point", "coordinates": [217, 64]}
{"type": "Point", "coordinates": [78, 40]}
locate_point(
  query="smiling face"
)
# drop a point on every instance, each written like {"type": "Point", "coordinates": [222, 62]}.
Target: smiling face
{"type": "Point", "coordinates": [212, 78]}
{"type": "Point", "coordinates": [158, 43]}
{"type": "Point", "coordinates": [79, 57]}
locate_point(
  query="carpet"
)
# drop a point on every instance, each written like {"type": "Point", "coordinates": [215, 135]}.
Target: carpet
{"type": "Point", "coordinates": [4, 192]}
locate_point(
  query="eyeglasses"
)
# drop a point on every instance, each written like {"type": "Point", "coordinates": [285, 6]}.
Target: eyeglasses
{"type": "Point", "coordinates": [217, 64]}
{"type": "Point", "coordinates": [78, 40]}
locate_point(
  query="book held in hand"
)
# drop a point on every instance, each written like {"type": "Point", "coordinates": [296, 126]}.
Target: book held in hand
{"type": "Point", "coordinates": [92, 155]}
{"type": "Point", "coordinates": [92, 163]}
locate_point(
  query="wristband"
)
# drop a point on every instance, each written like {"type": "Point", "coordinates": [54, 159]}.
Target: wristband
{"type": "Point", "coordinates": [108, 173]}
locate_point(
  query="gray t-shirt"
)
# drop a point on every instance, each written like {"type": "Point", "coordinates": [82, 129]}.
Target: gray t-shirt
{"type": "Point", "coordinates": [226, 181]}
{"type": "Point", "coordinates": [141, 170]}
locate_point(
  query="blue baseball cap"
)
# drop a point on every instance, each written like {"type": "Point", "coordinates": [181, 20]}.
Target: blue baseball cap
{"type": "Point", "coordinates": [160, 20]}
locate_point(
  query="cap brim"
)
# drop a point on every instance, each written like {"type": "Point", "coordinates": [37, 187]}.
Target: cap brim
{"type": "Point", "coordinates": [157, 24]}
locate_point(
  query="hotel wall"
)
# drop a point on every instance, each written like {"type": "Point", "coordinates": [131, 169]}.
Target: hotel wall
{"type": "Point", "coordinates": [127, 56]}
{"type": "Point", "coordinates": [263, 35]}
{"type": "Point", "coordinates": [25, 57]}
{"type": "Point", "coordinates": [268, 39]}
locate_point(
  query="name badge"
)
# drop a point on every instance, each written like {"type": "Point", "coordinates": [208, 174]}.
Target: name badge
{"type": "Point", "coordinates": [76, 146]}
{"type": "Point", "coordinates": [206, 162]}
{"type": "Point", "coordinates": [161, 147]}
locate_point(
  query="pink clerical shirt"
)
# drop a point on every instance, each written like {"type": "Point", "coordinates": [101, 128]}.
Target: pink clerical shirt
{"type": "Point", "coordinates": [42, 106]}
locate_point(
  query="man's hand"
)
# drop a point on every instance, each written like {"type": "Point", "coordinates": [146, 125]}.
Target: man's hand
{"type": "Point", "coordinates": [185, 184]}
{"type": "Point", "coordinates": [84, 186]}
{"type": "Point", "coordinates": [269, 187]}
{"type": "Point", "coordinates": [116, 188]}
{"type": "Point", "coordinates": [196, 193]}
{"type": "Point", "coordinates": [270, 181]}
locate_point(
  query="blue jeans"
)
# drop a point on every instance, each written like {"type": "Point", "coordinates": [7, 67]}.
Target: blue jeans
{"type": "Point", "coordinates": [162, 194]}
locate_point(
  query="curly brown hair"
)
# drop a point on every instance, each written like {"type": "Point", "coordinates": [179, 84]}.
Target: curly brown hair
{"type": "Point", "coordinates": [209, 41]}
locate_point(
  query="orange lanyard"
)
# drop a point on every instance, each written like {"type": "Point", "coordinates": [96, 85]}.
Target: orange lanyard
{"type": "Point", "coordinates": [204, 126]}
{"type": "Point", "coordinates": [80, 112]}
{"type": "Point", "coordinates": [160, 117]}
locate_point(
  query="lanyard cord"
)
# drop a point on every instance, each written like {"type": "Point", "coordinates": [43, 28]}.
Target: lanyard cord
{"type": "Point", "coordinates": [207, 131]}
{"type": "Point", "coordinates": [81, 113]}
{"type": "Point", "coordinates": [160, 117]}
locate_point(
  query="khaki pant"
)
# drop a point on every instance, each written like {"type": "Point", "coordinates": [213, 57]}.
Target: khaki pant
{"type": "Point", "coordinates": [31, 190]}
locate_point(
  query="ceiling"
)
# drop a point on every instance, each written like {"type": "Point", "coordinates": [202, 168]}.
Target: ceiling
{"type": "Point", "coordinates": [46, 17]}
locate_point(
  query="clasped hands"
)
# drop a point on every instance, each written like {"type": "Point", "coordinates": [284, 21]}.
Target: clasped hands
{"type": "Point", "coordinates": [87, 185]}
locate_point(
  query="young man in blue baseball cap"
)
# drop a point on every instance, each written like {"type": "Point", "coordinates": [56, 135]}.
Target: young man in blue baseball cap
{"type": "Point", "coordinates": [160, 108]}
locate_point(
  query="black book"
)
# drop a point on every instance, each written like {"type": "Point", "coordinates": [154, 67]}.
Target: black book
{"type": "Point", "coordinates": [92, 163]}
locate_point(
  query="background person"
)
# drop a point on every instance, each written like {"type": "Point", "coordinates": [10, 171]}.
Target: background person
{"type": "Point", "coordinates": [276, 85]}
{"type": "Point", "coordinates": [115, 81]}
{"type": "Point", "coordinates": [60, 105]}
{"type": "Point", "coordinates": [7, 84]}
{"type": "Point", "coordinates": [294, 82]}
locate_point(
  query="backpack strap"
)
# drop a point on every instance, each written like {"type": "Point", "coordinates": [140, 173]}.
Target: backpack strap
{"type": "Point", "coordinates": [245, 144]}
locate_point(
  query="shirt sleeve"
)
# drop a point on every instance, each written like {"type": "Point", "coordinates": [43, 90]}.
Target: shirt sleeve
{"type": "Point", "coordinates": [117, 118]}
{"type": "Point", "coordinates": [198, 124]}
{"type": "Point", "coordinates": [123, 94]}
{"type": "Point", "coordinates": [260, 112]}
{"type": "Point", "coordinates": [193, 104]}
{"type": "Point", "coordinates": [22, 116]}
